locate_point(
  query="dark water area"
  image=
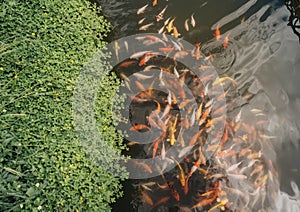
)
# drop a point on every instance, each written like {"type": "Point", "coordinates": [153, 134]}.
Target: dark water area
{"type": "Point", "coordinates": [263, 56]}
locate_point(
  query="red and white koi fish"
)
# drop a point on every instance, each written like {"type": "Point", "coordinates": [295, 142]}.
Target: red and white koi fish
{"type": "Point", "coordinates": [160, 16]}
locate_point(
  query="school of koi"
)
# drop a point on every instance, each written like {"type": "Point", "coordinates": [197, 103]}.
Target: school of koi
{"type": "Point", "coordinates": [228, 173]}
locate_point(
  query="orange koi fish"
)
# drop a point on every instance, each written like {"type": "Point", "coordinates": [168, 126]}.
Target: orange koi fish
{"type": "Point", "coordinates": [126, 64]}
{"type": "Point", "coordinates": [147, 199]}
{"type": "Point", "coordinates": [146, 167]}
{"type": "Point", "coordinates": [197, 53]}
{"type": "Point", "coordinates": [155, 147]}
{"type": "Point", "coordinates": [162, 200]}
{"type": "Point", "coordinates": [204, 202]}
{"type": "Point", "coordinates": [195, 137]}
{"type": "Point", "coordinates": [175, 194]}
{"type": "Point", "coordinates": [139, 127]}
{"type": "Point", "coordinates": [154, 3]}
{"type": "Point", "coordinates": [256, 170]}
{"type": "Point", "coordinates": [205, 115]}
{"type": "Point", "coordinates": [217, 33]}
{"type": "Point", "coordinates": [180, 54]}
{"type": "Point", "coordinates": [226, 40]}
{"type": "Point", "coordinates": [167, 49]}
{"type": "Point", "coordinates": [203, 67]}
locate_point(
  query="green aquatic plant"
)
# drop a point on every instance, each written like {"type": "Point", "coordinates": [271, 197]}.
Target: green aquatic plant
{"type": "Point", "coordinates": [44, 44]}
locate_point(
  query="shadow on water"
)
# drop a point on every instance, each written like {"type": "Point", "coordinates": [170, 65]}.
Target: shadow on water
{"type": "Point", "coordinates": [262, 56]}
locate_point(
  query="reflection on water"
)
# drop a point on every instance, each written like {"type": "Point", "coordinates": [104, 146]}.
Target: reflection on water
{"type": "Point", "coordinates": [262, 56]}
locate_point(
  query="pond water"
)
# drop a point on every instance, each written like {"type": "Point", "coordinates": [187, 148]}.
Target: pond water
{"type": "Point", "coordinates": [262, 56]}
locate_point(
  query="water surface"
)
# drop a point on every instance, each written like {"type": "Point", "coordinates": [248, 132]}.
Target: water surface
{"type": "Point", "coordinates": [263, 56]}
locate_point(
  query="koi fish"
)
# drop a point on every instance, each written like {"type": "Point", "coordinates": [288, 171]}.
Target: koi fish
{"type": "Point", "coordinates": [233, 167]}
{"type": "Point", "coordinates": [140, 85]}
{"type": "Point", "coordinates": [184, 151]}
{"type": "Point", "coordinates": [195, 137]}
{"type": "Point", "coordinates": [205, 115]}
{"type": "Point", "coordinates": [145, 27]}
{"type": "Point", "coordinates": [257, 169]}
{"type": "Point", "coordinates": [126, 64]}
{"type": "Point", "coordinates": [161, 30]}
{"type": "Point", "coordinates": [155, 147]}
{"type": "Point", "coordinates": [217, 33]}
{"type": "Point", "coordinates": [167, 21]}
{"type": "Point", "coordinates": [186, 25]}
{"type": "Point", "coordinates": [180, 54]}
{"type": "Point", "coordinates": [222, 80]}
{"type": "Point", "coordinates": [170, 25]}
{"type": "Point", "coordinates": [166, 110]}
{"type": "Point", "coordinates": [194, 168]}
{"type": "Point", "coordinates": [172, 130]}
{"type": "Point", "coordinates": [162, 200]}
{"type": "Point", "coordinates": [147, 199]}
{"type": "Point", "coordinates": [167, 49]}
{"type": "Point", "coordinates": [175, 32]}
{"type": "Point", "coordinates": [155, 39]}
{"type": "Point", "coordinates": [243, 20]}
{"type": "Point", "coordinates": [146, 167]}
{"type": "Point", "coordinates": [141, 21]}
{"type": "Point", "coordinates": [184, 209]}
{"type": "Point", "coordinates": [202, 157]}
{"type": "Point", "coordinates": [208, 194]}
{"type": "Point", "coordinates": [226, 40]}
{"type": "Point", "coordinates": [160, 16]}
{"type": "Point", "coordinates": [197, 53]}
{"type": "Point", "coordinates": [204, 202]}
{"type": "Point", "coordinates": [193, 22]}
{"type": "Point", "coordinates": [154, 3]}
{"type": "Point", "coordinates": [138, 54]}
{"type": "Point", "coordinates": [238, 176]}
{"type": "Point", "coordinates": [139, 127]}
{"type": "Point", "coordinates": [203, 67]}
{"type": "Point", "coordinates": [131, 143]}
{"type": "Point", "coordinates": [221, 204]}
{"type": "Point", "coordinates": [175, 194]}
{"type": "Point", "coordinates": [163, 151]}
{"type": "Point", "coordinates": [181, 174]}
{"type": "Point", "coordinates": [146, 57]}
{"type": "Point", "coordinates": [142, 9]}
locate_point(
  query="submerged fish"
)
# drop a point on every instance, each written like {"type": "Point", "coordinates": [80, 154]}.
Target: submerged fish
{"type": "Point", "coordinates": [193, 22]}
{"type": "Point", "coordinates": [145, 27]}
{"type": "Point", "coordinates": [142, 9]}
